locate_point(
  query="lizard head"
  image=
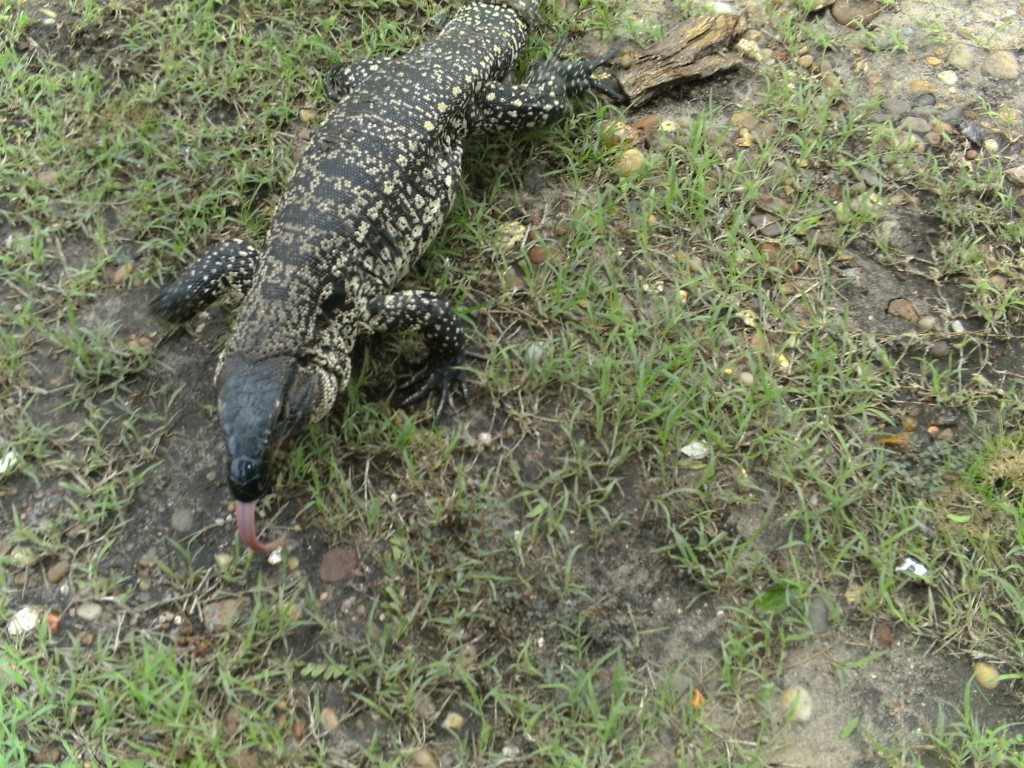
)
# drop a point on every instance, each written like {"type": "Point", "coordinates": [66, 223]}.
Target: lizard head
{"type": "Point", "coordinates": [264, 405]}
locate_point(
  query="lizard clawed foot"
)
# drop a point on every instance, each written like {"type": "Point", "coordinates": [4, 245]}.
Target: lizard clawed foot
{"type": "Point", "coordinates": [446, 378]}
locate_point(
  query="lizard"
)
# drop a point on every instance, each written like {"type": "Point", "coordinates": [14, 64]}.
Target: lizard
{"type": "Point", "coordinates": [367, 197]}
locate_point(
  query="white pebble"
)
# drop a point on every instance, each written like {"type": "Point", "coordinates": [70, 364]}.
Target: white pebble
{"type": "Point", "coordinates": [24, 621]}
{"type": "Point", "coordinates": [698, 449]}
{"type": "Point", "coordinates": [534, 352]}
{"type": "Point", "coordinates": [795, 703]}
{"type": "Point", "coordinates": [89, 611]}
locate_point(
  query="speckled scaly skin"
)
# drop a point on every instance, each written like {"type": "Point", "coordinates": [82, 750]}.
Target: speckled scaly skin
{"type": "Point", "coordinates": [367, 198]}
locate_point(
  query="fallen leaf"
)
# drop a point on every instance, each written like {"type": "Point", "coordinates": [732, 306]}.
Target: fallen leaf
{"type": "Point", "coordinates": [901, 441]}
{"type": "Point", "coordinates": [903, 309]}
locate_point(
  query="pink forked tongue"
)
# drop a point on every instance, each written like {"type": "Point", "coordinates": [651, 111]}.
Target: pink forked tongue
{"type": "Point", "coordinates": [245, 517]}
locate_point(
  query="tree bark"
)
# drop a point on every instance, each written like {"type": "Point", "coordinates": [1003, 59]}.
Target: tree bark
{"type": "Point", "coordinates": [695, 49]}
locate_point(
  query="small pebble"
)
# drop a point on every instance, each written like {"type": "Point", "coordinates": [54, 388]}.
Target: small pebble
{"type": "Point", "coordinates": [222, 614]}
{"type": "Point", "coordinates": [986, 675]}
{"type": "Point", "coordinates": [746, 378]}
{"type": "Point", "coordinates": [897, 106]}
{"type": "Point", "coordinates": [629, 162]}
{"type": "Point", "coordinates": [795, 703]}
{"type": "Point", "coordinates": [853, 12]}
{"type": "Point", "coordinates": [1015, 175]}
{"type": "Point", "coordinates": [423, 758]}
{"type": "Point", "coordinates": [884, 635]}
{"type": "Point", "coordinates": [89, 611]}
{"type": "Point", "coordinates": [538, 253]}
{"type": "Point", "coordinates": [960, 56]}
{"type": "Point", "coordinates": [915, 124]}
{"type": "Point", "coordinates": [57, 571]}
{"type": "Point", "coordinates": [453, 721]}
{"type": "Point", "coordinates": [927, 322]}
{"type": "Point", "coordinates": [1001, 65]}
{"type": "Point", "coordinates": [182, 519]}
{"type": "Point", "coordinates": [939, 350]}
{"type": "Point", "coordinates": [329, 719]}
{"type": "Point", "coordinates": [817, 615]}
{"type": "Point", "coordinates": [947, 77]}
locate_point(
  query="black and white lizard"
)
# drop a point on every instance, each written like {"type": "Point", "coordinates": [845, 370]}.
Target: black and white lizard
{"type": "Point", "coordinates": [367, 198]}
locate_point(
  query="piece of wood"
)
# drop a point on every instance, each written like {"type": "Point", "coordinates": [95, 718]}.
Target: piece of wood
{"type": "Point", "coordinates": [696, 48]}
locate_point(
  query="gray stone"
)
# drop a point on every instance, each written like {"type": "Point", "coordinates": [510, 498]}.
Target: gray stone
{"type": "Point", "coordinates": [1001, 65]}
{"type": "Point", "coordinates": [896, 106]}
{"type": "Point", "coordinates": [853, 12]}
{"type": "Point", "coordinates": [182, 519]}
{"type": "Point", "coordinates": [1015, 175]}
{"type": "Point", "coordinates": [89, 611]}
{"type": "Point", "coordinates": [817, 615]}
{"type": "Point", "coordinates": [961, 56]}
{"type": "Point", "coordinates": [915, 124]}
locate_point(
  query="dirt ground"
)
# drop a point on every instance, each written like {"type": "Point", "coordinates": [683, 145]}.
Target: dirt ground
{"type": "Point", "coordinates": [896, 696]}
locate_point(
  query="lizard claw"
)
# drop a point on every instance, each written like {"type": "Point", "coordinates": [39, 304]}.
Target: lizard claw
{"type": "Point", "coordinates": [446, 378]}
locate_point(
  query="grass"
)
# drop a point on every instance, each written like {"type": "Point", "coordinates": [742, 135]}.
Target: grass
{"type": "Point", "coordinates": [552, 576]}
